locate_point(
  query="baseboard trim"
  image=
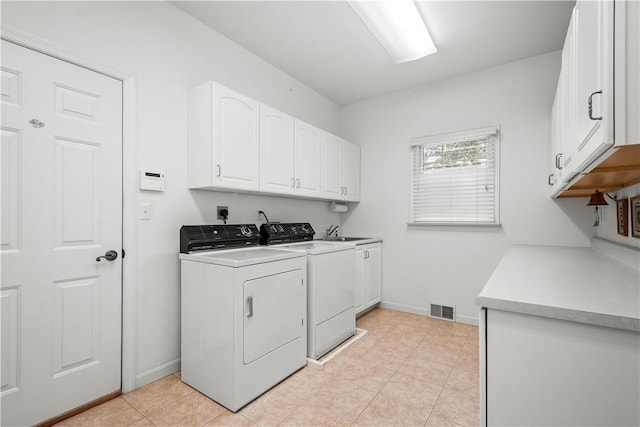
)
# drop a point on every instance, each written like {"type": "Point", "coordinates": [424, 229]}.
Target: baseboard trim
{"type": "Point", "coordinates": [72, 413]}
{"type": "Point", "coordinates": [157, 373]}
{"type": "Point", "coordinates": [469, 320]}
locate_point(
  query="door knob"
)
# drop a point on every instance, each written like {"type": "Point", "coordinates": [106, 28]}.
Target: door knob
{"type": "Point", "coordinates": [109, 256]}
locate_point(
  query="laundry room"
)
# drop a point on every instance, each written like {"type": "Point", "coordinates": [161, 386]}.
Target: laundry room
{"type": "Point", "coordinates": [282, 153]}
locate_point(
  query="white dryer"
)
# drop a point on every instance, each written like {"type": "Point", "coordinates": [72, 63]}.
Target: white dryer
{"type": "Point", "coordinates": [243, 313]}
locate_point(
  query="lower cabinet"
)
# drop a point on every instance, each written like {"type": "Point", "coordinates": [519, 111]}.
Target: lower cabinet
{"type": "Point", "coordinates": [549, 372]}
{"type": "Point", "coordinates": [368, 276]}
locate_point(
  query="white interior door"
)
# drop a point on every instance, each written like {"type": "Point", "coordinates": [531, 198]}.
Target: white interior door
{"type": "Point", "coordinates": [61, 208]}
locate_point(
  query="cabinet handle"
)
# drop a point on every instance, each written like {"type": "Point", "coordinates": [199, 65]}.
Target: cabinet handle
{"type": "Point", "coordinates": [219, 170]}
{"type": "Point", "coordinates": [558, 157]}
{"type": "Point", "coordinates": [549, 180]}
{"type": "Point", "coordinates": [293, 182]}
{"type": "Point", "coordinates": [297, 183]}
{"type": "Point", "coordinates": [590, 102]}
{"type": "Point", "coordinates": [250, 306]}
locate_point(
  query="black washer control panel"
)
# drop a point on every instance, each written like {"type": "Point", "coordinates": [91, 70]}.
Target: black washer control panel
{"type": "Point", "coordinates": [285, 232]}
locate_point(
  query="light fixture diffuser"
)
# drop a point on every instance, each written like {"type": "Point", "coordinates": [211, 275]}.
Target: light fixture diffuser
{"type": "Point", "coordinates": [398, 26]}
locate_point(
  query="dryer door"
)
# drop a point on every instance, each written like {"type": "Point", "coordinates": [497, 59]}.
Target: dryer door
{"type": "Point", "coordinates": [273, 313]}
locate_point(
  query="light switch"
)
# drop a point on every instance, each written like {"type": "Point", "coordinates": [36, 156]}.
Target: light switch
{"type": "Point", "coordinates": [144, 211]}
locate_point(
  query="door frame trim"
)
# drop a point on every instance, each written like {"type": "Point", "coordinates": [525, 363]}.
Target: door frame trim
{"type": "Point", "coordinates": [129, 184]}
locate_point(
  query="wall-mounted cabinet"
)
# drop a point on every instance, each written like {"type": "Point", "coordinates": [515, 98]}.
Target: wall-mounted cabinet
{"type": "Point", "coordinates": [290, 152]}
{"type": "Point", "coordinates": [238, 144]}
{"type": "Point", "coordinates": [596, 99]}
{"type": "Point", "coordinates": [341, 177]}
{"type": "Point", "coordinates": [308, 152]}
{"type": "Point", "coordinates": [277, 151]}
{"type": "Point", "coordinates": [224, 150]}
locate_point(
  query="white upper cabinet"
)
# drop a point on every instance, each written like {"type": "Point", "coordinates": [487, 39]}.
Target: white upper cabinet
{"type": "Point", "coordinates": [596, 105]}
{"type": "Point", "coordinates": [308, 154]}
{"type": "Point", "coordinates": [239, 144]}
{"type": "Point", "coordinates": [341, 174]}
{"type": "Point", "coordinates": [277, 151]}
{"type": "Point", "coordinates": [224, 150]}
{"type": "Point", "coordinates": [290, 152]}
{"type": "Point", "coordinates": [332, 160]}
{"type": "Point", "coordinates": [563, 111]}
{"type": "Point", "coordinates": [593, 47]}
{"type": "Point", "coordinates": [351, 171]}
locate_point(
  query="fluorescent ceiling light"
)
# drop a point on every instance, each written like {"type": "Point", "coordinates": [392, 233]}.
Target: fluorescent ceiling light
{"type": "Point", "coordinates": [398, 26]}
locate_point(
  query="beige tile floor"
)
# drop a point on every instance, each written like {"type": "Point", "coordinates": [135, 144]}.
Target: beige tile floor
{"type": "Point", "coordinates": [407, 370]}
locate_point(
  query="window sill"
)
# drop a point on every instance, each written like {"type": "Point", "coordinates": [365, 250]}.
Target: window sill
{"type": "Point", "coordinates": [457, 226]}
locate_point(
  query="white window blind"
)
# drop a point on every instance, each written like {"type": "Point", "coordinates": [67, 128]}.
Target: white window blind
{"type": "Point", "coordinates": [455, 178]}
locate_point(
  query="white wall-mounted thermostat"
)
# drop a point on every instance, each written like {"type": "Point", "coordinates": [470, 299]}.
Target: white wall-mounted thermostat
{"type": "Point", "coordinates": [152, 181]}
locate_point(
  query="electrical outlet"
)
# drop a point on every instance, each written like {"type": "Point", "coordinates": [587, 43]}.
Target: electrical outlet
{"type": "Point", "coordinates": [221, 208]}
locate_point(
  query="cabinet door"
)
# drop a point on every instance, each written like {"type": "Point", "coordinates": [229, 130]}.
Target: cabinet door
{"type": "Point", "coordinates": [373, 261]}
{"type": "Point", "coordinates": [359, 282]}
{"type": "Point", "coordinates": [276, 151]}
{"type": "Point", "coordinates": [552, 179]}
{"type": "Point", "coordinates": [332, 160]}
{"type": "Point", "coordinates": [272, 313]}
{"type": "Point", "coordinates": [566, 89]}
{"type": "Point", "coordinates": [235, 140]}
{"type": "Point", "coordinates": [308, 155]}
{"type": "Point", "coordinates": [592, 60]}
{"type": "Point", "coordinates": [351, 171]}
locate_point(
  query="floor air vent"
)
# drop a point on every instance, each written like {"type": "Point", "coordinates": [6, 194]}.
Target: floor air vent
{"type": "Point", "coordinates": [443, 312]}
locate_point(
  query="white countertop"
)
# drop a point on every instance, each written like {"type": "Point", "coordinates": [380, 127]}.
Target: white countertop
{"type": "Point", "coordinates": [360, 241]}
{"type": "Point", "coordinates": [576, 284]}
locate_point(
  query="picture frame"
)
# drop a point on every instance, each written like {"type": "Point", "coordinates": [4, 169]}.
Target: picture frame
{"type": "Point", "coordinates": [622, 214]}
{"type": "Point", "coordinates": [635, 217]}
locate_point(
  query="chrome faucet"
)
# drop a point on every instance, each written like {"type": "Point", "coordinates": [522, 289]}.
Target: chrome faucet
{"type": "Point", "coordinates": [331, 230]}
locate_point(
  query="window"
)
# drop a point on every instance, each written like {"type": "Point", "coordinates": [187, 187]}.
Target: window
{"type": "Point", "coordinates": [455, 178]}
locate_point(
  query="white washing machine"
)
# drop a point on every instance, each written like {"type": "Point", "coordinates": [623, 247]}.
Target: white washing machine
{"type": "Point", "coordinates": [331, 276]}
{"type": "Point", "coordinates": [243, 313]}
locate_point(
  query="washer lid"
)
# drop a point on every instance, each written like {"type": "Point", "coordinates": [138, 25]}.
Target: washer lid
{"type": "Point", "coordinates": [315, 248]}
{"type": "Point", "coordinates": [241, 257]}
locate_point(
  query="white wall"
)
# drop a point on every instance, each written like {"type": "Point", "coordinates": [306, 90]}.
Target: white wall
{"type": "Point", "coordinates": [169, 52]}
{"type": "Point", "coordinates": [608, 228]}
{"type": "Point", "coordinates": [449, 266]}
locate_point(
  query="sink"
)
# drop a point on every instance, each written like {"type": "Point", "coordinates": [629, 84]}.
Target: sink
{"type": "Point", "coordinates": [346, 239]}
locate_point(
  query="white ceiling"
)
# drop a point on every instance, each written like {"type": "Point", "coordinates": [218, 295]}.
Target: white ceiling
{"type": "Point", "coordinates": [325, 45]}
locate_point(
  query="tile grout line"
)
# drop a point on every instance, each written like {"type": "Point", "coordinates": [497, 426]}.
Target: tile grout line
{"type": "Point", "coordinates": [448, 375]}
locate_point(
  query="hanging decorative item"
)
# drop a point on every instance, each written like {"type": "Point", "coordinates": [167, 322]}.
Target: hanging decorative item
{"type": "Point", "coordinates": [597, 199]}
{"type": "Point", "coordinates": [635, 217]}
{"type": "Point", "coordinates": [622, 209]}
